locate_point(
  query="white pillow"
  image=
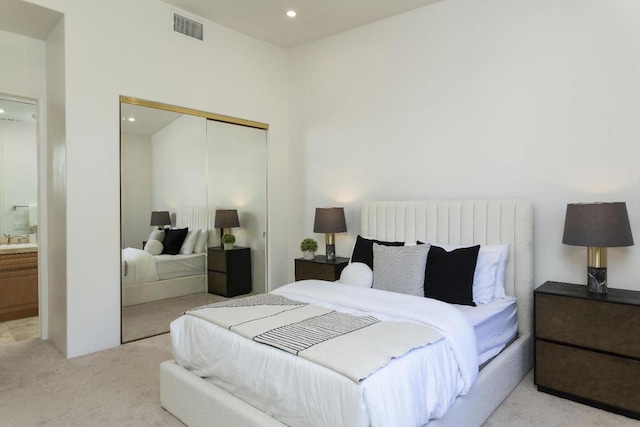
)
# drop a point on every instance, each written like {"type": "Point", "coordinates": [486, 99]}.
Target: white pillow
{"type": "Point", "coordinates": [154, 247]}
{"type": "Point", "coordinates": [189, 242]}
{"type": "Point", "coordinates": [400, 268]}
{"type": "Point", "coordinates": [357, 274]}
{"type": "Point", "coordinates": [502, 272]}
{"type": "Point", "coordinates": [201, 244]}
{"type": "Point", "coordinates": [487, 267]}
{"type": "Point", "coordinates": [156, 235]}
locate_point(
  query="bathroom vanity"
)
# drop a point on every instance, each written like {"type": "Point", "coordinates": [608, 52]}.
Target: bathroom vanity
{"type": "Point", "coordinates": [18, 281]}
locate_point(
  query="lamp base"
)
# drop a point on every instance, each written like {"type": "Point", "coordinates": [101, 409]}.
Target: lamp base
{"type": "Point", "coordinates": [597, 280]}
{"type": "Point", "coordinates": [331, 252]}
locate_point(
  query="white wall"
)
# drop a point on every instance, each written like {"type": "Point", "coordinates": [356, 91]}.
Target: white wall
{"type": "Point", "coordinates": [118, 48]}
{"type": "Point", "coordinates": [179, 165]}
{"type": "Point", "coordinates": [468, 99]}
{"type": "Point", "coordinates": [22, 65]}
{"type": "Point", "coordinates": [135, 173]}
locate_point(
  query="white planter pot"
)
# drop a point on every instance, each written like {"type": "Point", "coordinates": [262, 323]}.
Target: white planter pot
{"type": "Point", "coordinates": [228, 246]}
{"type": "Point", "coordinates": [308, 254]}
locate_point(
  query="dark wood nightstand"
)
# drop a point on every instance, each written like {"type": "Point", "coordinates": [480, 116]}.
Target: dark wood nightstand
{"type": "Point", "coordinates": [229, 271]}
{"type": "Point", "coordinates": [587, 346]}
{"type": "Point", "coordinates": [319, 268]}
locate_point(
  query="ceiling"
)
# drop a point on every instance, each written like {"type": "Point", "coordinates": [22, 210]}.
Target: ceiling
{"type": "Point", "coordinates": [27, 19]}
{"type": "Point", "coordinates": [262, 19]}
{"type": "Point", "coordinates": [147, 120]}
{"type": "Point", "coordinates": [266, 19]}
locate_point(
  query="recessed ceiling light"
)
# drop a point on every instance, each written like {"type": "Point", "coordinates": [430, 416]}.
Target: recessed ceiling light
{"type": "Point", "coordinates": [291, 13]}
{"type": "Point", "coordinates": [131, 119]}
{"type": "Point", "coordinates": [1, 111]}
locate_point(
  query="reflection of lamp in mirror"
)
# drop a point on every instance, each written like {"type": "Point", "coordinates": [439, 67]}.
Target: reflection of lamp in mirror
{"type": "Point", "coordinates": [598, 226]}
{"type": "Point", "coordinates": [225, 220]}
{"type": "Point", "coordinates": [330, 221]}
{"type": "Point", "coordinates": [160, 218]}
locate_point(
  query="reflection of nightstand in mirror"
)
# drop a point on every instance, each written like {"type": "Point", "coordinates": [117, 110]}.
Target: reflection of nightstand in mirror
{"type": "Point", "coordinates": [319, 268]}
{"type": "Point", "coordinates": [229, 271]}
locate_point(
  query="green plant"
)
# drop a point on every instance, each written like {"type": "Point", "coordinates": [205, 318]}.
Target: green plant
{"type": "Point", "coordinates": [228, 238]}
{"type": "Point", "coordinates": [308, 244]}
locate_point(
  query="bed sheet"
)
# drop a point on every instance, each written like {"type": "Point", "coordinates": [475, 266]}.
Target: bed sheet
{"type": "Point", "coordinates": [172, 266]}
{"type": "Point", "coordinates": [494, 323]}
{"type": "Point", "coordinates": [408, 391]}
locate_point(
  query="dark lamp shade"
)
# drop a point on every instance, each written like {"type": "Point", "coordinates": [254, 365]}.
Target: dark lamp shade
{"type": "Point", "coordinates": [329, 220]}
{"type": "Point", "coordinates": [160, 218]}
{"type": "Point", "coordinates": [226, 218]}
{"type": "Point", "coordinates": [604, 225]}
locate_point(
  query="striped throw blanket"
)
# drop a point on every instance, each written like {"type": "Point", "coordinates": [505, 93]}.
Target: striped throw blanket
{"type": "Point", "coordinates": [354, 346]}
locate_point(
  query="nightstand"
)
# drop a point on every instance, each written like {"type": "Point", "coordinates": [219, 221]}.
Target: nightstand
{"type": "Point", "coordinates": [587, 346]}
{"type": "Point", "coordinates": [319, 268]}
{"type": "Point", "coordinates": [229, 271]}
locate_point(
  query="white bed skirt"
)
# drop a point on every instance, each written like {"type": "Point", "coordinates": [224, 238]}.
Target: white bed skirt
{"type": "Point", "coordinates": [170, 288]}
{"type": "Point", "coordinates": [197, 402]}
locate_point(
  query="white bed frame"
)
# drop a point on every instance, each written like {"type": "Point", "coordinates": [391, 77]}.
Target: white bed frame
{"type": "Point", "coordinates": [140, 293]}
{"type": "Point", "coordinates": [196, 402]}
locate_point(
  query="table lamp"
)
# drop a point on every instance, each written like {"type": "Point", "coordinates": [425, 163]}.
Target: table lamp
{"type": "Point", "coordinates": [226, 219]}
{"type": "Point", "coordinates": [330, 221]}
{"type": "Point", "coordinates": [597, 226]}
{"type": "Point", "coordinates": [160, 218]}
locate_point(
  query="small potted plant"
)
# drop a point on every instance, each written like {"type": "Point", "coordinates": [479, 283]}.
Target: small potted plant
{"type": "Point", "coordinates": [228, 240]}
{"type": "Point", "coordinates": [308, 247]}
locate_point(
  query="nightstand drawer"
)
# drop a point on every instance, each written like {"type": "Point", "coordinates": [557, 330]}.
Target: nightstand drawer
{"type": "Point", "coordinates": [598, 325]}
{"type": "Point", "coordinates": [601, 379]}
{"type": "Point", "coordinates": [319, 268]}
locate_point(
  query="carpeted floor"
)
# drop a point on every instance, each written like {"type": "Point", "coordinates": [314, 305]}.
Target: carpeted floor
{"type": "Point", "coordinates": [119, 387]}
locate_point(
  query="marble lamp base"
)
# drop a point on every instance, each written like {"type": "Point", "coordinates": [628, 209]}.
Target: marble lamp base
{"type": "Point", "coordinates": [597, 280]}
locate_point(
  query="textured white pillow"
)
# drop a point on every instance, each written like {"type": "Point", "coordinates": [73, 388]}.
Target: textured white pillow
{"type": "Point", "coordinates": [156, 235]}
{"type": "Point", "coordinates": [189, 242]}
{"type": "Point", "coordinates": [499, 291]}
{"type": "Point", "coordinates": [400, 268]}
{"type": "Point", "coordinates": [357, 274]}
{"type": "Point", "coordinates": [154, 247]}
{"type": "Point", "coordinates": [201, 244]}
{"type": "Point", "coordinates": [485, 278]}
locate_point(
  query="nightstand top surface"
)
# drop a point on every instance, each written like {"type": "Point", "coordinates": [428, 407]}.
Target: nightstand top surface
{"type": "Point", "coordinates": [220, 248]}
{"type": "Point", "coordinates": [619, 296]}
{"type": "Point", "coordinates": [322, 259]}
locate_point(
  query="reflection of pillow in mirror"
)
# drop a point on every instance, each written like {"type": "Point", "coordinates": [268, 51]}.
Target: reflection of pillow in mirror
{"type": "Point", "coordinates": [154, 247]}
{"type": "Point", "coordinates": [357, 274]}
{"type": "Point", "coordinates": [156, 235]}
{"type": "Point", "coordinates": [189, 242]}
{"type": "Point", "coordinates": [173, 239]}
{"type": "Point", "coordinates": [201, 244]}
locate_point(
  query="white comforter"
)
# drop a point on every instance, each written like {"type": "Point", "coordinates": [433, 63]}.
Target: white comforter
{"type": "Point", "coordinates": [138, 266]}
{"type": "Point", "coordinates": [408, 391]}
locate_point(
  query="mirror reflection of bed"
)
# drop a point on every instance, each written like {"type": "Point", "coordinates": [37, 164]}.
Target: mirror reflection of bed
{"type": "Point", "coordinates": [181, 164]}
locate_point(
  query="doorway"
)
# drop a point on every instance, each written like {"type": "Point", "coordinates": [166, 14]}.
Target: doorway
{"type": "Point", "coordinates": [19, 213]}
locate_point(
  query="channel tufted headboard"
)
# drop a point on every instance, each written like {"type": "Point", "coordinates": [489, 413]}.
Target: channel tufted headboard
{"type": "Point", "coordinates": [465, 222]}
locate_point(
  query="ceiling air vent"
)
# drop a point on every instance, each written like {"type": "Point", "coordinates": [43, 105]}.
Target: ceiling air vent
{"type": "Point", "coordinates": [187, 26]}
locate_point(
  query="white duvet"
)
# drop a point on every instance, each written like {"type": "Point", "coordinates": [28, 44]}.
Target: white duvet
{"type": "Point", "coordinates": [408, 391]}
{"type": "Point", "coordinates": [138, 266]}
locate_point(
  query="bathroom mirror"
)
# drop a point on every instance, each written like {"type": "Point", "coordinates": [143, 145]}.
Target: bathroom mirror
{"type": "Point", "coordinates": [184, 165]}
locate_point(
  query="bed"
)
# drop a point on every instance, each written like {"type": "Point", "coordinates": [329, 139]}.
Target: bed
{"type": "Point", "coordinates": [147, 278]}
{"type": "Point", "coordinates": [198, 401]}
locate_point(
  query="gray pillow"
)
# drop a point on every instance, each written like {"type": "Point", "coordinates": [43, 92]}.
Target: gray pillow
{"type": "Point", "coordinates": [400, 268]}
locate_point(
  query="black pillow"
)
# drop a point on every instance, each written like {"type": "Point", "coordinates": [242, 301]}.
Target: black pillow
{"type": "Point", "coordinates": [449, 275]}
{"type": "Point", "coordinates": [173, 239]}
{"type": "Point", "coordinates": [363, 250]}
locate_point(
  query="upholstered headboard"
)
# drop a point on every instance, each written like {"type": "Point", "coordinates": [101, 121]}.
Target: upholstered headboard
{"type": "Point", "coordinates": [483, 222]}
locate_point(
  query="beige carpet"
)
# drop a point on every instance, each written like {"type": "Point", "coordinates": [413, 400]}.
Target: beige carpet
{"type": "Point", "coordinates": [119, 387]}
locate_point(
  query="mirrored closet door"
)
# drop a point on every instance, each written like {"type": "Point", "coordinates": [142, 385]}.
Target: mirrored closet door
{"type": "Point", "coordinates": [182, 171]}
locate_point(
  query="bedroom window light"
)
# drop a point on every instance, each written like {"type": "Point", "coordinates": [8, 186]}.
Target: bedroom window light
{"type": "Point", "coordinates": [160, 218]}
{"type": "Point", "coordinates": [330, 221]}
